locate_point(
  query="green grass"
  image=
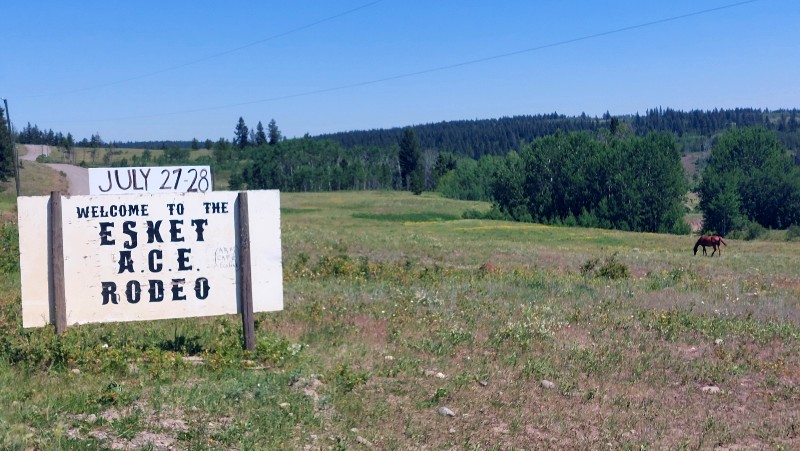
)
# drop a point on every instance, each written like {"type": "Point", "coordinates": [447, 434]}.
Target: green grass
{"type": "Point", "coordinates": [394, 307]}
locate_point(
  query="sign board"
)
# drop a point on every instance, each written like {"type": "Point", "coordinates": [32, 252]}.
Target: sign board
{"type": "Point", "coordinates": [149, 256]}
{"type": "Point", "coordinates": [162, 179]}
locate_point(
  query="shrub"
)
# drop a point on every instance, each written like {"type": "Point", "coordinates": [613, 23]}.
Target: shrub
{"type": "Point", "coordinates": [611, 268]}
{"type": "Point", "coordinates": [9, 248]}
{"type": "Point", "coordinates": [751, 231]}
{"type": "Point", "coordinates": [793, 232]}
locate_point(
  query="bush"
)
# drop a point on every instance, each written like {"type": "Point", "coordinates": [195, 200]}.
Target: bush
{"type": "Point", "coordinates": [611, 268]}
{"type": "Point", "coordinates": [751, 231]}
{"type": "Point", "coordinates": [493, 213]}
{"type": "Point", "coordinates": [793, 232]}
{"type": "Point", "coordinates": [9, 248]}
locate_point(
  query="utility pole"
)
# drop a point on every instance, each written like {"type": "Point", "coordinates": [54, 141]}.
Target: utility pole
{"type": "Point", "coordinates": [13, 146]}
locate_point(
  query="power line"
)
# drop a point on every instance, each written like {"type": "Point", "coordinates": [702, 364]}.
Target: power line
{"type": "Point", "coordinates": [215, 55]}
{"type": "Point", "coordinates": [449, 66]}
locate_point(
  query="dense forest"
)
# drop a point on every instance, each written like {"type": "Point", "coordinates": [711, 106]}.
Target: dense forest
{"type": "Point", "coordinates": [477, 138]}
{"type": "Point", "coordinates": [621, 172]}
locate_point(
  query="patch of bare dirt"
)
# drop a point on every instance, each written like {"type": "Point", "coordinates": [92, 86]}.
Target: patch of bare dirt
{"type": "Point", "coordinates": [160, 432]}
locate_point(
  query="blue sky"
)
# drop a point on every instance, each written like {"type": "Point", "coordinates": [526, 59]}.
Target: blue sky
{"type": "Point", "coordinates": [177, 70]}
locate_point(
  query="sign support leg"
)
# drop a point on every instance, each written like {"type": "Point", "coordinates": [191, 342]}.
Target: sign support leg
{"type": "Point", "coordinates": [57, 262]}
{"type": "Point", "coordinates": [246, 279]}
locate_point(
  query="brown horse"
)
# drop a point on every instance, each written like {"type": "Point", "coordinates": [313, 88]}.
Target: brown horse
{"type": "Point", "coordinates": [714, 241]}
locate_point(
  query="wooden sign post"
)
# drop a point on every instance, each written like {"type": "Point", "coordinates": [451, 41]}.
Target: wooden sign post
{"type": "Point", "coordinates": [57, 262]}
{"type": "Point", "coordinates": [245, 276]}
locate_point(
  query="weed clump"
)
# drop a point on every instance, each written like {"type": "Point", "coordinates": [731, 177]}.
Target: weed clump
{"type": "Point", "coordinates": [610, 268]}
{"type": "Point", "coordinates": [793, 232]}
{"type": "Point", "coordinates": [9, 248]}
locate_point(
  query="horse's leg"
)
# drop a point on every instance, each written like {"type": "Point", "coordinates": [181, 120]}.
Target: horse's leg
{"type": "Point", "coordinates": [704, 251]}
{"type": "Point", "coordinates": [715, 249]}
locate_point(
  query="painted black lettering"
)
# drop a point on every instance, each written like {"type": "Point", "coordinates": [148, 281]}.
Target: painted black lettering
{"type": "Point", "coordinates": [201, 288]}
{"type": "Point", "coordinates": [154, 231]}
{"type": "Point", "coordinates": [144, 176]}
{"type": "Point", "coordinates": [133, 291]}
{"type": "Point", "coordinates": [177, 290]}
{"type": "Point", "coordinates": [199, 227]}
{"type": "Point", "coordinates": [183, 258]}
{"type": "Point", "coordinates": [156, 290]}
{"type": "Point", "coordinates": [125, 262]}
{"type": "Point", "coordinates": [109, 292]}
{"type": "Point", "coordinates": [130, 181]}
{"type": "Point", "coordinates": [154, 260]}
{"type": "Point", "coordinates": [175, 230]}
{"type": "Point", "coordinates": [109, 184]}
{"type": "Point", "coordinates": [127, 228]}
{"type": "Point", "coordinates": [105, 234]}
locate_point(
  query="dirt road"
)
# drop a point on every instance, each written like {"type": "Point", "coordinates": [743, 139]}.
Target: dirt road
{"type": "Point", "coordinates": [77, 176]}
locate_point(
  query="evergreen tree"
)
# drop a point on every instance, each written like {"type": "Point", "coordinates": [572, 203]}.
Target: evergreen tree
{"type": "Point", "coordinates": [96, 141]}
{"type": "Point", "coordinates": [195, 144]}
{"type": "Point", "coordinates": [261, 136]}
{"type": "Point", "coordinates": [6, 148]}
{"type": "Point", "coordinates": [408, 156]}
{"type": "Point", "coordinates": [274, 132]}
{"type": "Point", "coordinates": [241, 134]}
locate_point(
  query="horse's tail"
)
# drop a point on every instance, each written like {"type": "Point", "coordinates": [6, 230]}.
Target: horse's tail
{"type": "Point", "coordinates": [722, 241]}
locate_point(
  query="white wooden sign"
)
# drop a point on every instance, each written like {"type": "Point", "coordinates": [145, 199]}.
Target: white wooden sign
{"type": "Point", "coordinates": [161, 179]}
{"type": "Point", "coordinates": [149, 256]}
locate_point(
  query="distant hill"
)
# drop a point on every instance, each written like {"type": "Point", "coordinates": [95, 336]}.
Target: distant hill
{"type": "Point", "coordinates": [480, 137]}
{"type": "Point", "coordinates": [695, 130]}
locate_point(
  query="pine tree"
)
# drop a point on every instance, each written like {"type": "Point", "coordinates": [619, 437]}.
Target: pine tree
{"type": "Point", "coordinates": [241, 135]}
{"type": "Point", "coordinates": [6, 149]}
{"type": "Point", "coordinates": [409, 156]}
{"type": "Point", "coordinates": [274, 133]}
{"type": "Point", "coordinates": [261, 137]}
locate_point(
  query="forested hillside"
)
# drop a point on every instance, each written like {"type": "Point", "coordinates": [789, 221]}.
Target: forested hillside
{"type": "Point", "coordinates": [476, 138]}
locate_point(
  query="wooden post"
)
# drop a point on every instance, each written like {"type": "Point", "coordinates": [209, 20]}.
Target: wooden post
{"type": "Point", "coordinates": [245, 276]}
{"type": "Point", "coordinates": [57, 262]}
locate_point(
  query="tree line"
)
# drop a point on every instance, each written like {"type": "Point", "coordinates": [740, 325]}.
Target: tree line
{"type": "Point", "coordinates": [476, 138]}
{"type": "Point", "coordinates": [611, 174]}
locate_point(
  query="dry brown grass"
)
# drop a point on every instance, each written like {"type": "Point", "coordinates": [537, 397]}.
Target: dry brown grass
{"type": "Point", "coordinates": [39, 180]}
{"type": "Point", "coordinates": [394, 318]}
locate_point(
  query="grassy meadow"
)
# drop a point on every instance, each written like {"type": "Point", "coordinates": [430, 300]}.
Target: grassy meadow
{"type": "Point", "coordinates": [406, 327]}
